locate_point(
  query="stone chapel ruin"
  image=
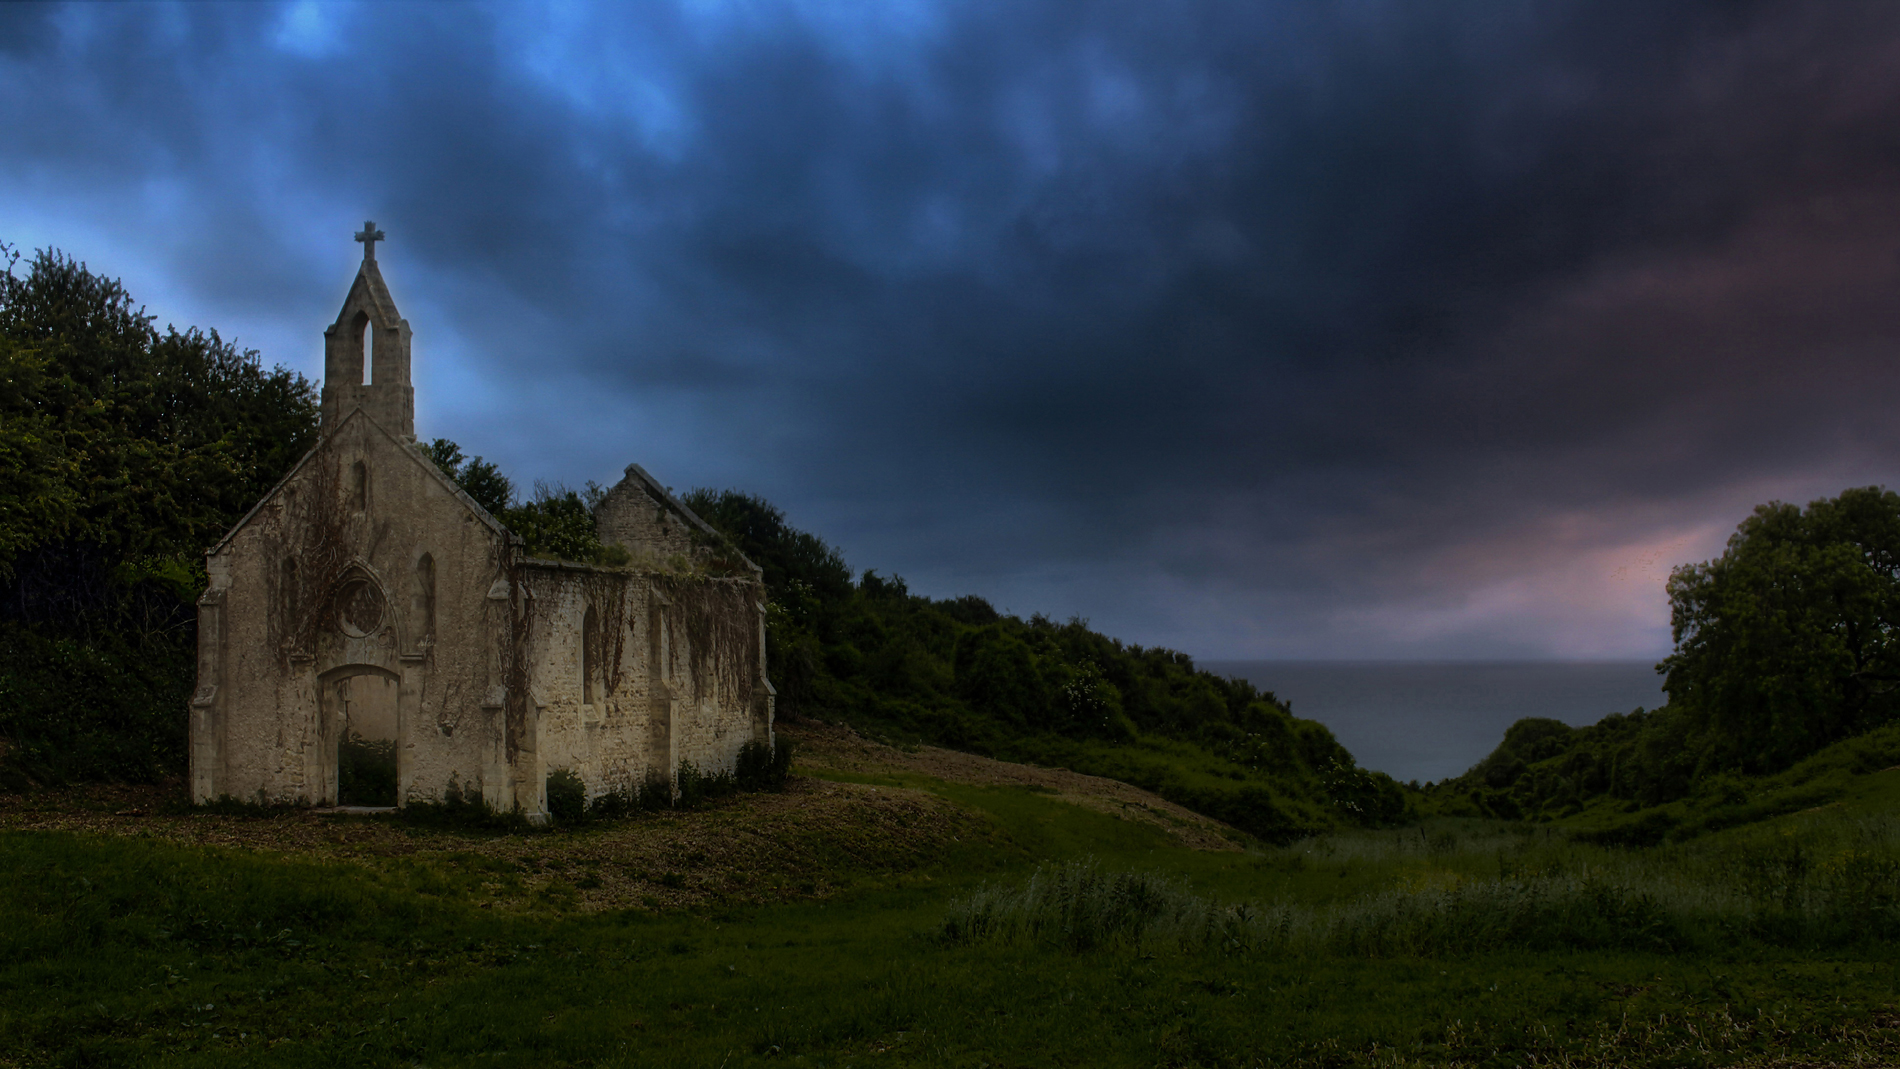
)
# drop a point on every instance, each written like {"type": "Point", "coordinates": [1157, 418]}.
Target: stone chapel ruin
{"type": "Point", "coordinates": [367, 601]}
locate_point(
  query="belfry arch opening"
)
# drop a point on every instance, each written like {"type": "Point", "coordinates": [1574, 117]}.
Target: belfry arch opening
{"type": "Point", "coordinates": [361, 349]}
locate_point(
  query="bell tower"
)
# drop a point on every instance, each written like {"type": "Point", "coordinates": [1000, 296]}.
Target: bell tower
{"type": "Point", "coordinates": [366, 353]}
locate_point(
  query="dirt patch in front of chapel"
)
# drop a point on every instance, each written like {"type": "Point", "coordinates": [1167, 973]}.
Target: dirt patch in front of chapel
{"type": "Point", "coordinates": [810, 841]}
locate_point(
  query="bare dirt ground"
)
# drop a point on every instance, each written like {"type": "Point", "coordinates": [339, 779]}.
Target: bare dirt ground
{"type": "Point", "coordinates": [752, 848]}
{"type": "Point", "coordinates": [834, 748]}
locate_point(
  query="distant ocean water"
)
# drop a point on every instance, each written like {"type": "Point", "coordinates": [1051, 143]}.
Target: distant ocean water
{"type": "Point", "coordinates": [1429, 720]}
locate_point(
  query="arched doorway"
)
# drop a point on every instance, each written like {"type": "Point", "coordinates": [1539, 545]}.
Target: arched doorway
{"type": "Point", "coordinates": [360, 711]}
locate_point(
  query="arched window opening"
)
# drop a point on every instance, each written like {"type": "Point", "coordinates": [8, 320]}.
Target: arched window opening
{"type": "Point", "coordinates": [422, 599]}
{"type": "Point", "coordinates": [359, 486]}
{"type": "Point", "coordinates": [662, 644]}
{"type": "Point", "coordinates": [590, 657]}
{"type": "Point", "coordinates": [360, 336]}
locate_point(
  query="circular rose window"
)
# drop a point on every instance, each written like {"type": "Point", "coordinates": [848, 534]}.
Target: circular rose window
{"type": "Point", "coordinates": [360, 609]}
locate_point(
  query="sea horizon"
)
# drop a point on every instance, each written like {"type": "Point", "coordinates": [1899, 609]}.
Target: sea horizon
{"type": "Point", "coordinates": [1430, 720]}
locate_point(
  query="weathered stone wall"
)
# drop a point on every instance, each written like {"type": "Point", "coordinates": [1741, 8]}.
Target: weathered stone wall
{"type": "Point", "coordinates": [363, 562]}
{"type": "Point", "coordinates": [676, 668]}
{"type": "Point", "coordinates": [643, 517]}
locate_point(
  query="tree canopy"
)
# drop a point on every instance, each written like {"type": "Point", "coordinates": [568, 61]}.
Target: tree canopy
{"type": "Point", "coordinates": [123, 443]}
{"type": "Point", "coordinates": [124, 453]}
{"type": "Point", "coordinates": [1786, 642]}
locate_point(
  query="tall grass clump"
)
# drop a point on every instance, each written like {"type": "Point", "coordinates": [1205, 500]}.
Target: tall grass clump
{"type": "Point", "coordinates": [1826, 882]}
{"type": "Point", "coordinates": [1079, 907]}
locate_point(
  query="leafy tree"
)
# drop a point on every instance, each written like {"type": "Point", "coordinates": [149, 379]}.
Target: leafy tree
{"type": "Point", "coordinates": [481, 480]}
{"type": "Point", "coordinates": [1786, 642]}
{"type": "Point", "coordinates": [124, 453]}
{"type": "Point", "coordinates": [556, 522]}
{"type": "Point", "coordinates": [796, 564]}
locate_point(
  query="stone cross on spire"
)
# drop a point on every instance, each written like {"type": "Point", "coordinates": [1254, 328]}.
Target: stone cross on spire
{"type": "Point", "coordinates": [369, 236]}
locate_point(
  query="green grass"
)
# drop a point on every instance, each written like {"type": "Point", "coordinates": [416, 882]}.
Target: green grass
{"type": "Point", "coordinates": [1856, 773]}
{"type": "Point", "coordinates": [1392, 947]}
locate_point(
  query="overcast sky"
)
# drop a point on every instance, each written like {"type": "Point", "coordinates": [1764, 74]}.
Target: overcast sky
{"type": "Point", "coordinates": [1307, 330]}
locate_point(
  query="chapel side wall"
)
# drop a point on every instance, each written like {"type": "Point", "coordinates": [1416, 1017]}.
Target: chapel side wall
{"type": "Point", "coordinates": [666, 700]}
{"type": "Point", "coordinates": [714, 663]}
{"type": "Point", "coordinates": [609, 742]}
{"type": "Point", "coordinates": [267, 705]}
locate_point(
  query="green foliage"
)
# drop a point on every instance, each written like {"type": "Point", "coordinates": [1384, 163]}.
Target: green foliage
{"type": "Point", "coordinates": [763, 766]}
{"type": "Point", "coordinates": [652, 793]}
{"type": "Point", "coordinates": [1078, 907]}
{"type": "Point", "coordinates": [696, 786]}
{"type": "Point", "coordinates": [556, 522]}
{"type": "Point", "coordinates": [104, 709]}
{"type": "Point", "coordinates": [1784, 647]}
{"type": "Point", "coordinates": [124, 452]}
{"type": "Point", "coordinates": [480, 479]}
{"type": "Point", "coordinates": [803, 576]}
{"type": "Point", "coordinates": [567, 796]}
{"type": "Point", "coordinates": [135, 444]}
{"type": "Point", "coordinates": [463, 810]}
{"type": "Point", "coordinates": [792, 560]}
{"type": "Point", "coordinates": [960, 674]}
{"type": "Point", "coordinates": [1787, 642]}
{"type": "Point", "coordinates": [1460, 943]}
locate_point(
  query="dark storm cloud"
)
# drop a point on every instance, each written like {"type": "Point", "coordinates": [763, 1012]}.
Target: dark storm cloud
{"type": "Point", "coordinates": [1354, 328]}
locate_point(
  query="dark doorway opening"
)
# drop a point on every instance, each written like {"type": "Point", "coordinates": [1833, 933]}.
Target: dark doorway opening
{"type": "Point", "coordinates": [366, 760]}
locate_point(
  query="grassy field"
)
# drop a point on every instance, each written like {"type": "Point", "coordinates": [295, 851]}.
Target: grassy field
{"type": "Point", "coordinates": [975, 916]}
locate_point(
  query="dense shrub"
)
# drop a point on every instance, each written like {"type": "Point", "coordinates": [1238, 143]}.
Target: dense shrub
{"type": "Point", "coordinates": [567, 796]}
{"type": "Point", "coordinates": [763, 766]}
{"type": "Point", "coordinates": [124, 452]}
